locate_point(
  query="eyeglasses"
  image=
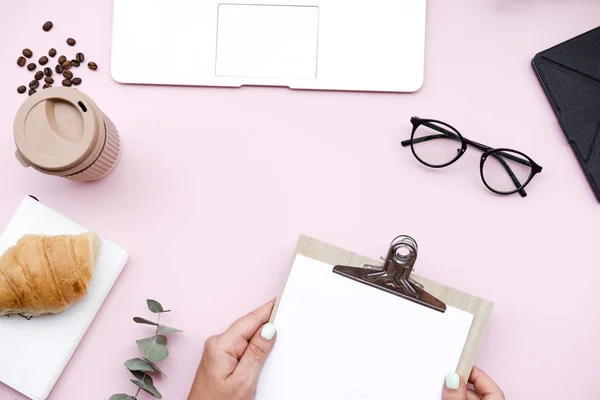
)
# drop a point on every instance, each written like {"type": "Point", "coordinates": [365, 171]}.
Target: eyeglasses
{"type": "Point", "coordinates": [503, 171]}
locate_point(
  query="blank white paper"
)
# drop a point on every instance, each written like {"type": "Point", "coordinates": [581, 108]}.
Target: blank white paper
{"type": "Point", "coordinates": [338, 339]}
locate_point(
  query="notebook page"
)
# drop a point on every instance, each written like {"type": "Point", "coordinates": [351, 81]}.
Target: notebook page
{"type": "Point", "coordinates": [338, 339]}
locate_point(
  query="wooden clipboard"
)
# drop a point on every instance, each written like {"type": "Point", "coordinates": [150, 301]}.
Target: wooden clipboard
{"type": "Point", "coordinates": [480, 308]}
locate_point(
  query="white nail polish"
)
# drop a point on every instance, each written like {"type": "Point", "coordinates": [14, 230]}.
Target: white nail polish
{"type": "Point", "coordinates": [453, 381]}
{"type": "Point", "coordinates": [268, 332]}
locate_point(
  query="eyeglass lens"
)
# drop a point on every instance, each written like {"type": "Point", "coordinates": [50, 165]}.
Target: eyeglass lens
{"type": "Point", "coordinates": [506, 171]}
{"type": "Point", "coordinates": [436, 144]}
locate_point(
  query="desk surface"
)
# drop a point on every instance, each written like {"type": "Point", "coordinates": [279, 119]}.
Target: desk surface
{"type": "Point", "coordinates": [254, 167]}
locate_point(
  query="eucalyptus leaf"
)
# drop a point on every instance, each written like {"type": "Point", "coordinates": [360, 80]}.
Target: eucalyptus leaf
{"type": "Point", "coordinates": [161, 339]}
{"type": "Point", "coordinates": [147, 388]}
{"type": "Point", "coordinates": [156, 367]}
{"type": "Point", "coordinates": [137, 374]}
{"type": "Point", "coordinates": [142, 377]}
{"type": "Point", "coordinates": [154, 348]}
{"type": "Point", "coordinates": [138, 364]}
{"type": "Point", "coordinates": [121, 396]}
{"type": "Point", "coordinates": [165, 330]}
{"type": "Point", "coordinates": [154, 306]}
{"type": "Point", "coordinates": [140, 320]}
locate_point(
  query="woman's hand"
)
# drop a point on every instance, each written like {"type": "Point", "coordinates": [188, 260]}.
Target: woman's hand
{"type": "Point", "coordinates": [484, 388]}
{"type": "Point", "coordinates": [232, 362]}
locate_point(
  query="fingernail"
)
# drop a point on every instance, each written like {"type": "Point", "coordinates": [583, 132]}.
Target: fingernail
{"type": "Point", "coordinates": [453, 381]}
{"type": "Point", "coordinates": [268, 331]}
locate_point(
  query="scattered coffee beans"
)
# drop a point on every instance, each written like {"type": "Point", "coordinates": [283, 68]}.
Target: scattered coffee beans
{"type": "Point", "coordinates": [62, 67]}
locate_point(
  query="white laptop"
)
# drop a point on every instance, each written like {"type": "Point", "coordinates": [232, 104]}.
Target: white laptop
{"type": "Point", "coordinates": [370, 45]}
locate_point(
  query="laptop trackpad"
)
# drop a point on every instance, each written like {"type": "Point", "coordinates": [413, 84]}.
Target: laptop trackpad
{"type": "Point", "coordinates": [262, 41]}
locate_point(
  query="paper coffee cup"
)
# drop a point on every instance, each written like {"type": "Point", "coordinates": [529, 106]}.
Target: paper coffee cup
{"type": "Point", "coordinates": [61, 131]}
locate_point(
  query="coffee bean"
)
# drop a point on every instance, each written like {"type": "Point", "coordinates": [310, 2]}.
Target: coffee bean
{"type": "Point", "coordinates": [68, 75]}
{"type": "Point", "coordinates": [39, 75]}
{"type": "Point", "coordinates": [80, 57]}
{"type": "Point", "coordinates": [71, 42]}
{"type": "Point", "coordinates": [52, 52]}
{"type": "Point", "coordinates": [93, 66]}
{"type": "Point", "coordinates": [66, 64]}
{"type": "Point", "coordinates": [34, 84]}
{"type": "Point", "coordinates": [21, 61]}
{"type": "Point", "coordinates": [49, 79]}
{"type": "Point", "coordinates": [75, 63]}
{"type": "Point", "coordinates": [76, 81]}
{"type": "Point", "coordinates": [59, 69]}
{"type": "Point", "coordinates": [27, 53]}
{"type": "Point", "coordinates": [43, 60]}
{"type": "Point", "coordinates": [21, 89]}
{"type": "Point", "coordinates": [47, 26]}
{"type": "Point", "coordinates": [31, 66]}
{"type": "Point", "coordinates": [48, 71]}
{"type": "Point", "coordinates": [62, 59]}
{"type": "Point", "coordinates": [46, 86]}
{"type": "Point", "coordinates": [66, 82]}
{"type": "Point", "coordinates": [32, 91]}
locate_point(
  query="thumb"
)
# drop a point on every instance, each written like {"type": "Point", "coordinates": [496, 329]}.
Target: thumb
{"type": "Point", "coordinates": [455, 387]}
{"type": "Point", "coordinates": [255, 355]}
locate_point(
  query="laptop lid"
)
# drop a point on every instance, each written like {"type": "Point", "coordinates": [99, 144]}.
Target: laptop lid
{"type": "Point", "coordinates": [375, 45]}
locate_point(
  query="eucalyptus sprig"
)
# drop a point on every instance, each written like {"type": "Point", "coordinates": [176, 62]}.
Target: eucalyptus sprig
{"type": "Point", "coordinates": [153, 349]}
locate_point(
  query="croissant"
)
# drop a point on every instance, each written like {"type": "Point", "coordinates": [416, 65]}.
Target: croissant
{"type": "Point", "coordinates": [47, 274]}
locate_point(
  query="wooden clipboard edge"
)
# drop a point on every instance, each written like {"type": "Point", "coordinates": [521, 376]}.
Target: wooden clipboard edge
{"type": "Point", "coordinates": [480, 308]}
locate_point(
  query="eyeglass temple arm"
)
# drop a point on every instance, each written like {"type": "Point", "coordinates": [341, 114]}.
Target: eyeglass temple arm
{"type": "Point", "coordinates": [500, 156]}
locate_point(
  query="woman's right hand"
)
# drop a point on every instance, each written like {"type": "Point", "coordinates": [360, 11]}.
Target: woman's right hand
{"type": "Point", "coordinates": [484, 388]}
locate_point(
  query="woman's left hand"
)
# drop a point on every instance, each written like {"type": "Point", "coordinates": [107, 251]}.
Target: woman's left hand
{"type": "Point", "coordinates": [232, 361]}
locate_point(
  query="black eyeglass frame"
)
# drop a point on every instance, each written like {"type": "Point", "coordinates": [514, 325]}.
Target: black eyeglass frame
{"type": "Point", "coordinates": [487, 152]}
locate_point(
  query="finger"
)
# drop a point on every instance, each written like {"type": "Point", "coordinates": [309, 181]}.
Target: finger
{"type": "Point", "coordinates": [471, 395]}
{"type": "Point", "coordinates": [215, 361]}
{"type": "Point", "coordinates": [455, 387]}
{"type": "Point", "coordinates": [247, 326]}
{"type": "Point", "coordinates": [484, 385]}
{"type": "Point", "coordinates": [255, 356]}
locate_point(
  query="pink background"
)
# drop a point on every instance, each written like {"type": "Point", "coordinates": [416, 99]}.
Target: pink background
{"type": "Point", "coordinates": [216, 184]}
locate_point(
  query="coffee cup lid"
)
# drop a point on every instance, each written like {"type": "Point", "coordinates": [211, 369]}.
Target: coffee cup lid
{"type": "Point", "coordinates": [56, 129]}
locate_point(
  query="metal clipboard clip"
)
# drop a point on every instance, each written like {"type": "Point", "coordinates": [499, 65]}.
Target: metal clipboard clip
{"type": "Point", "coordinates": [394, 275]}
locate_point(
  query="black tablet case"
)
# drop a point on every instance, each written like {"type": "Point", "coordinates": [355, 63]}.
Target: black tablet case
{"type": "Point", "coordinates": [570, 75]}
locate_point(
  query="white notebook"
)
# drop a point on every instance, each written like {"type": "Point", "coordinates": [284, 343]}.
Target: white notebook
{"type": "Point", "coordinates": [338, 339]}
{"type": "Point", "coordinates": [34, 352]}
